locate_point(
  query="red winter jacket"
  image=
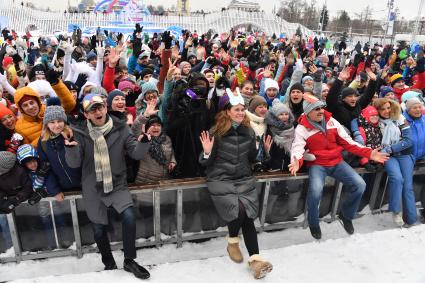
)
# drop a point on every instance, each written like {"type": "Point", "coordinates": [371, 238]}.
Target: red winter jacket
{"type": "Point", "coordinates": [327, 148]}
{"type": "Point", "coordinates": [419, 83]}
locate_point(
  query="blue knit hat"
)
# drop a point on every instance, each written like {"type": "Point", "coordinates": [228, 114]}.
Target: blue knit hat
{"type": "Point", "coordinates": [113, 94]}
{"type": "Point", "coordinates": [91, 56]}
{"type": "Point", "coordinates": [385, 90]}
{"type": "Point", "coordinates": [148, 86]}
{"type": "Point", "coordinates": [24, 152]}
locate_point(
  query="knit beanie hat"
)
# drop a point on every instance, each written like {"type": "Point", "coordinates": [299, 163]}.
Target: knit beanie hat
{"type": "Point", "coordinates": [409, 94]}
{"type": "Point", "coordinates": [54, 112]}
{"type": "Point", "coordinates": [154, 119]}
{"type": "Point", "coordinates": [311, 102]}
{"type": "Point", "coordinates": [411, 102]}
{"type": "Point", "coordinates": [396, 78]}
{"type": "Point", "coordinates": [113, 94]}
{"type": "Point", "coordinates": [369, 112]}
{"type": "Point", "coordinates": [297, 86]}
{"type": "Point", "coordinates": [279, 108]}
{"type": "Point", "coordinates": [256, 101]}
{"type": "Point", "coordinates": [125, 84]}
{"type": "Point", "coordinates": [26, 151]}
{"type": "Point", "coordinates": [307, 78]}
{"type": "Point", "coordinates": [348, 91]}
{"type": "Point", "coordinates": [38, 69]}
{"type": "Point", "coordinates": [145, 71]}
{"type": "Point", "coordinates": [4, 111]}
{"type": "Point", "coordinates": [148, 86]}
{"type": "Point", "coordinates": [7, 161]}
{"type": "Point", "coordinates": [91, 56]}
{"type": "Point", "coordinates": [270, 83]}
{"type": "Point", "coordinates": [183, 64]}
{"type": "Point", "coordinates": [385, 90]}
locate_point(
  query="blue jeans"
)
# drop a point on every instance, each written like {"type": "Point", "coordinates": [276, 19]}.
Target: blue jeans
{"type": "Point", "coordinates": [354, 186]}
{"type": "Point", "coordinates": [4, 227]}
{"type": "Point", "coordinates": [400, 185]}
{"type": "Point", "coordinates": [128, 220]}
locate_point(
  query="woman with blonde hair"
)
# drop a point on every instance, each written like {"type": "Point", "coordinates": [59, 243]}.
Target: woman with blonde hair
{"type": "Point", "coordinates": [397, 141]}
{"type": "Point", "coordinates": [51, 148]}
{"type": "Point", "coordinates": [228, 155]}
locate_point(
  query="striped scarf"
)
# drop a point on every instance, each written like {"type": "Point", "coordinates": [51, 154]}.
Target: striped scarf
{"type": "Point", "coordinates": [101, 154]}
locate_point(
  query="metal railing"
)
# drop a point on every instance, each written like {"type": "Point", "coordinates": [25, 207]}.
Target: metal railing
{"type": "Point", "coordinates": [179, 186]}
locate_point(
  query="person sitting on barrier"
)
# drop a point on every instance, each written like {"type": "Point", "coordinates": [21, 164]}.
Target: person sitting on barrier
{"type": "Point", "coordinates": [397, 141]}
{"type": "Point", "coordinates": [160, 161]}
{"type": "Point", "coordinates": [280, 126]}
{"type": "Point", "coordinates": [15, 185]}
{"type": "Point", "coordinates": [227, 156]}
{"type": "Point", "coordinates": [98, 147]}
{"type": "Point", "coordinates": [326, 138]}
{"type": "Point", "coordinates": [366, 131]}
{"type": "Point", "coordinates": [37, 170]}
{"type": "Point", "coordinates": [51, 148]}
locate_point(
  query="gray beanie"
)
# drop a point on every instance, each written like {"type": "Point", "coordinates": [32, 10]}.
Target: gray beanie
{"type": "Point", "coordinates": [7, 161]}
{"type": "Point", "coordinates": [54, 112]}
{"type": "Point", "coordinates": [412, 101]}
{"type": "Point", "coordinates": [148, 86]}
{"type": "Point", "coordinates": [311, 102]}
{"type": "Point", "coordinates": [279, 108]}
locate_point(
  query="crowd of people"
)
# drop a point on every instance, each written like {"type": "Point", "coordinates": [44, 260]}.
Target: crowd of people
{"type": "Point", "coordinates": [97, 113]}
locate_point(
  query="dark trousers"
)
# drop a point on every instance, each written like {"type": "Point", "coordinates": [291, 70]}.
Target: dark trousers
{"type": "Point", "coordinates": [128, 221]}
{"type": "Point", "coordinates": [248, 230]}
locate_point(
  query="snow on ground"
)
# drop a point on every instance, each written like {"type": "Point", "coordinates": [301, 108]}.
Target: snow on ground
{"type": "Point", "coordinates": [376, 253]}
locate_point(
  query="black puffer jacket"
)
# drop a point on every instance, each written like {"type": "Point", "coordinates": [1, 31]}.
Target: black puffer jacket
{"type": "Point", "coordinates": [16, 183]}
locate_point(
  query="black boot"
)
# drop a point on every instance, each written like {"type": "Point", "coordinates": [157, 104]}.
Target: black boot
{"type": "Point", "coordinates": [111, 266]}
{"type": "Point", "coordinates": [139, 271]}
{"type": "Point", "coordinates": [316, 232]}
{"type": "Point", "coordinates": [347, 224]}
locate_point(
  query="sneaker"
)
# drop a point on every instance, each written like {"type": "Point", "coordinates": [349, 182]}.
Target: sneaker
{"type": "Point", "coordinates": [259, 267]}
{"type": "Point", "coordinates": [316, 232]}
{"type": "Point", "coordinates": [233, 249]}
{"type": "Point", "coordinates": [398, 219]}
{"type": "Point", "coordinates": [139, 271]}
{"type": "Point", "coordinates": [347, 224]}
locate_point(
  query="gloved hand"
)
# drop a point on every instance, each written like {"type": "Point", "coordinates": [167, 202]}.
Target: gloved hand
{"type": "Point", "coordinates": [37, 196]}
{"type": "Point", "coordinates": [7, 205]}
{"type": "Point", "coordinates": [138, 28]}
{"type": "Point", "coordinates": [167, 39]}
{"type": "Point", "coordinates": [81, 80]}
{"type": "Point", "coordinates": [52, 77]}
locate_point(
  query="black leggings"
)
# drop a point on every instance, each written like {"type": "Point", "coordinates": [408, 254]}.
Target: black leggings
{"type": "Point", "coordinates": [248, 230]}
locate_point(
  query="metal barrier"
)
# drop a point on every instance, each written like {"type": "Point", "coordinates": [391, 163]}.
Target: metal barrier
{"type": "Point", "coordinates": [179, 186]}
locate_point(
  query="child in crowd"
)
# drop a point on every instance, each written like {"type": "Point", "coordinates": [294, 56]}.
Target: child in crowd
{"type": "Point", "coordinates": [280, 125]}
{"type": "Point", "coordinates": [366, 131]}
{"type": "Point", "coordinates": [15, 185]}
{"type": "Point", "coordinates": [28, 158]}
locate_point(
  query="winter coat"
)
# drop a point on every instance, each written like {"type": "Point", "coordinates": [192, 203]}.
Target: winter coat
{"type": "Point", "coordinates": [150, 170]}
{"type": "Point", "coordinates": [419, 84]}
{"type": "Point", "coordinates": [327, 148]}
{"type": "Point", "coordinates": [343, 113]}
{"type": "Point", "coordinates": [61, 177]}
{"type": "Point", "coordinates": [119, 141]}
{"type": "Point", "coordinates": [16, 183]}
{"type": "Point", "coordinates": [371, 134]}
{"type": "Point", "coordinates": [229, 175]}
{"type": "Point", "coordinates": [30, 127]}
{"type": "Point", "coordinates": [417, 128]}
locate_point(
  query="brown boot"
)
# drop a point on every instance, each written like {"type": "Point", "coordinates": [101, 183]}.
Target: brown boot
{"type": "Point", "coordinates": [259, 266]}
{"type": "Point", "coordinates": [234, 250]}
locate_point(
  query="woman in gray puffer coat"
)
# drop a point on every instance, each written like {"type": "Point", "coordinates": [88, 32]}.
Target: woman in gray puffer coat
{"type": "Point", "coordinates": [229, 177]}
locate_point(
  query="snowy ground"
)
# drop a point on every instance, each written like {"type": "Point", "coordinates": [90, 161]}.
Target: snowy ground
{"type": "Point", "coordinates": [378, 252]}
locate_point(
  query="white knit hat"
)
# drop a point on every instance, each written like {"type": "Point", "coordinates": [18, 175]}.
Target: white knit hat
{"type": "Point", "coordinates": [270, 83]}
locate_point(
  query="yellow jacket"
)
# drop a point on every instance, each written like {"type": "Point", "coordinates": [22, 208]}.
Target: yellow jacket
{"type": "Point", "coordinates": [30, 127]}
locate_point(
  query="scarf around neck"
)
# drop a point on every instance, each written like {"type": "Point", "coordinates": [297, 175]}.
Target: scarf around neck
{"type": "Point", "coordinates": [283, 133]}
{"type": "Point", "coordinates": [101, 153]}
{"type": "Point", "coordinates": [156, 150]}
{"type": "Point", "coordinates": [319, 126]}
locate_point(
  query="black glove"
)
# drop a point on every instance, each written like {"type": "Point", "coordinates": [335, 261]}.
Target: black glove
{"type": "Point", "coordinates": [93, 42]}
{"type": "Point", "coordinates": [37, 196]}
{"type": "Point", "coordinates": [317, 76]}
{"type": "Point", "coordinates": [167, 39]}
{"type": "Point", "coordinates": [7, 205]}
{"type": "Point", "coordinates": [81, 80]}
{"type": "Point", "coordinates": [139, 28]}
{"type": "Point", "coordinates": [52, 77]}
{"type": "Point", "coordinates": [16, 59]}
{"type": "Point", "coordinates": [43, 169]}
{"type": "Point", "coordinates": [420, 65]}
{"type": "Point", "coordinates": [119, 37]}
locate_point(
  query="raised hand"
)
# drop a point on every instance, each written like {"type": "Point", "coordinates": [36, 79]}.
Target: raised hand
{"type": "Point", "coordinates": [207, 142]}
{"type": "Point", "coordinates": [189, 42]}
{"type": "Point", "coordinates": [370, 74]}
{"type": "Point", "coordinates": [294, 167]}
{"type": "Point", "coordinates": [268, 140]}
{"type": "Point", "coordinates": [150, 109]}
{"type": "Point", "coordinates": [171, 68]}
{"type": "Point", "coordinates": [114, 57]}
{"type": "Point", "coordinates": [344, 74]}
{"type": "Point", "coordinates": [167, 39]}
{"type": "Point", "coordinates": [313, 69]}
{"type": "Point", "coordinates": [100, 50]}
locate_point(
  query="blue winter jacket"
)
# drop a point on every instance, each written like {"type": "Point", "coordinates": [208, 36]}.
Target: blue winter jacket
{"type": "Point", "coordinates": [60, 177]}
{"type": "Point", "coordinates": [417, 128]}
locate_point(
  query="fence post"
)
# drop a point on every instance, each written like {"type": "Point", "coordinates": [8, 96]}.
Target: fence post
{"type": "Point", "coordinates": [76, 226]}
{"type": "Point", "coordinates": [265, 203]}
{"type": "Point", "coordinates": [14, 235]}
{"type": "Point", "coordinates": [157, 216]}
{"type": "Point", "coordinates": [375, 190]}
{"type": "Point", "coordinates": [179, 218]}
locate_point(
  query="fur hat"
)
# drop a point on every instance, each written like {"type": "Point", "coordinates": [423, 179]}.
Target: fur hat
{"type": "Point", "coordinates": [256, 101]}
{"type": "Point", "coordinates": [7, 161]}
{"type": "Point", "coordinates": [311, 102]}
